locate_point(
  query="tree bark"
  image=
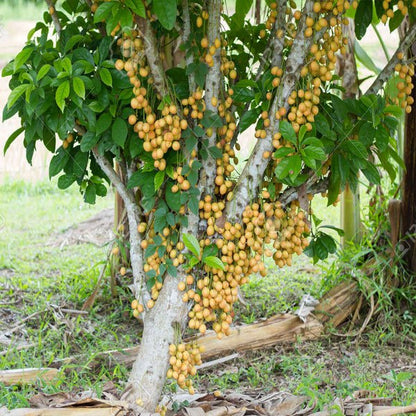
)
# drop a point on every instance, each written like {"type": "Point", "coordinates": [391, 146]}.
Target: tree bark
{"type": "Point", "coordinates": [350, 201]}
{"type": "Point", "coordinates": [409, 191]}
{"type": "Point", "coordinates": [161, 324]}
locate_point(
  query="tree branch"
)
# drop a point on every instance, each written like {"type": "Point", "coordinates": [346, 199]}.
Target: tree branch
{"type": "Point", "coordinates": [133, 215]}
{"type": "Point", "coordinates": [252, 175]}
{"type": "Point", "coordinates": [152, 55]}
{"type": "Point", "coordinates": [186, 36]}
{"type": "Point", "coordinates": [54, 15]}
{"type": "Point", "coordinates": [385, 74]}
{"type": "Point", "coordinates": [275, 45]}
{"type": "Point", "coordinates": [212, 88]}
{"type": "Point", "coordinates": [312, 187]}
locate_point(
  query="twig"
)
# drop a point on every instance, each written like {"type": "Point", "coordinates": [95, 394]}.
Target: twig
{"type": "Point", "coordinates": [54, 15]}
{"type": "Point", "coordinates": [19, 348]}
{"type": "Point", "coordinates": [20, 324]}
{"type": "Point", "coordinates": [74, 312]}
{"type": "Point", "coordinates": [386, 72]}
{"type": "Point", "coordinates": [218, 361]}
{"type": "Point", "coordinates": [91, 299]}
{"type": "Point", "coordinates": [364, 325]}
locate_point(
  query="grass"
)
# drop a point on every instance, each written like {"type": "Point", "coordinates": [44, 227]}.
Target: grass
{"type": "Point", "coordinates": [41, 277]}
{"type": "Point", "coordinates": [38, 276]}
{"type": "Point", "coordinates": [21, 10]}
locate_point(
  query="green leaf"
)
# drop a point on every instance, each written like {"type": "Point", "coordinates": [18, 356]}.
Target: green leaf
{"type": "Point", "coordinates": [249, 118]}
{"type": "Point", "coordinates": [12, 138]}
{"type": "Point", "coordinates": [106, 77]}
{"type": "Point", "coordinates": [165, 11]}
{"type": "Point", "coordinates": [22, 57]}
{"type": "Point", "coordinates": [88, 141]}
{"type": "Point", "coordinates": [79, 87]}
{"type": "Point", "coordinates": [215, 152]}
{"type": "Point", "coordinates": [103, 11]}
{"type": "Point", "coordinates": [119, 131]}
{"type": "Point", "coordinates": [193, 261]}
{"type": "Point", "coordinates": [191, 243]}
{"type": "Point", "coordinates": [283, 168]}
{"type": "Point", "coordinates": [80, 164]}
{"type": "Point", "coordinates": [201, 71]}
{"type": "Point", "coordinates": [43, 71]}
{"type": "Point", "coordinates": [16, 94]}
{"type": "Point", "coordinates": [371, 173]}
{"type": "Point", "coordinates": [172, 270]}
{"type": "Point", "coordinates": [363, 17]}
{"type": "Point", "coordinates": [211, 119]}
{"type": "Point", "coordinates": [242, 7]}
{"type": "Point", "coordinates": [364, 58]}
{"type": "Point", "coordinates": [287, 131]}
{"type": "Point", "coordinates": [214, 262]}
{"type": "Point", "coordinates": [328, 242]}
{"type": "Point", "coordinates": [356, 148]}
{"type": "Point", "coordinates": [295, 166]}
{"type": "Point", "coordinates": [315, 152]}
{"type": "Point", "coordinates": [396, 20]}
{"type": "Point", "coordinates": [8, 69]}
{"type": "Point", "coordinates": [65, 181]}
{"type": "Point", "coordinates": [103, 123]}
{"type": "Point", "coordinates": [283, 152]}
{"type": "Point", "coordinates": [61, 94]}
{"type": "Point", "coordinates": [66, 65]}
{"type": "Point", "coordinates": [173, 199]}
{"type": "Point", "coordinates": [159, 178]}
{"type": "Point", "coordinates": [58, 162]}
{"type": "Point", "coordinates": [90, 194]}
{"type": "Point", "coordinates": [137, 6]}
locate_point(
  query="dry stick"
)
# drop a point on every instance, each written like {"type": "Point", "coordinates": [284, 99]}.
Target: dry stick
{"type": "Point", "coordinates": [91, 299]}
{"type": "Point", "coordinates": [356, 313]}
{"type": "Point", "coordinates": [54, 15]}
{"type": "Point", "coordinates": [386, 72]}
{"type": "Point", "coordinates": [74, 311]}
{"type": "Point", "coordinates": [364, 325]}
{"type": "Point", "coordinates": [218, 361]}
{"type": "Point", "coordinates": [19, 348]}
{"type": "Point", "coordinates": [20, 324]}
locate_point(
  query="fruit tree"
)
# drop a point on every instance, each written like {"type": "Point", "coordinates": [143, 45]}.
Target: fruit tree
{"type": "Point", "coordinates": [166, 89]}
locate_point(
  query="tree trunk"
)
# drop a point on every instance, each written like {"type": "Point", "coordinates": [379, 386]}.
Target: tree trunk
{"type": "Point", "coordinates": [350, 201]}
{"type": "Point", "coordinates": [163, 326]}
{"type": "Point", "coordinates": [409, 191]}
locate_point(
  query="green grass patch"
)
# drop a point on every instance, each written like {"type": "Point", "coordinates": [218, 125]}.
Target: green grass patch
{"type": "Point", "coordinates": [21, 10]}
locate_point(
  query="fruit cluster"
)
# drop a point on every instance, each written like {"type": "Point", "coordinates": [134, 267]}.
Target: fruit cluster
{"type": "Point", "coordinates": [405, 72]}
{"type": "Point", "coordinates": [183, 361]}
